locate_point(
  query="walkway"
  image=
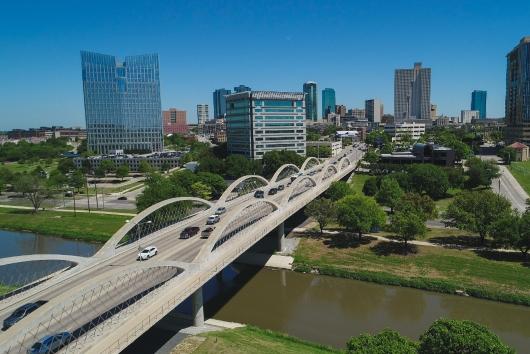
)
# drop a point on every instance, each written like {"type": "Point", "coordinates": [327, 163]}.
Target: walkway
{"type": "Point", "coordinates": [68, 210]}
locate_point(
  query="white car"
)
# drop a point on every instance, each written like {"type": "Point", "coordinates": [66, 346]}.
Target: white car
{"type": "Point", "coordinates": [147, 253]}
{"type": "Point", "coordinates": [213, 219]}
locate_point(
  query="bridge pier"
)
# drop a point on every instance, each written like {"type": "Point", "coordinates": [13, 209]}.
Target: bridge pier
{"type": "Point", "coordinates": [280, 234]}
{"type": "Point", "coordinates": [197, 308]}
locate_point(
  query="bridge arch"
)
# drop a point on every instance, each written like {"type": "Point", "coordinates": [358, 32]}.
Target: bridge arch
{"type": "Point", "coordinates": [300, 186]}
{"type": "Point", "coordinates": [310, 162]}
{"type": "Point", "coordinates": [247, 183]}
{"type": "Point", "coordinates": [345, 162]}
{"type": "Point", "coordinates": [43, 257]}
{"type": "Point", "coordinates": [328, 171]}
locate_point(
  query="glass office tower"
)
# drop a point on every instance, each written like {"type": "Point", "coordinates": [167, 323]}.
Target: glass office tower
{"type": "Point", "coordinates": [311, 106]}
{"type": "Point", "coordinates": [122, 103]}
{"type": "Point", "coordinates": [328, 101]}
{"type": "Point", "coordinates": [219, 102]}
{"type": "Point", "coordinates": [478, 102]}
{"type": "Point", "coordinates": [412, 93]}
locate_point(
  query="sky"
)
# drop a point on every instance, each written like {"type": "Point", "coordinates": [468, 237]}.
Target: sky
{"type": "Point", "coordinates": [351, 46]}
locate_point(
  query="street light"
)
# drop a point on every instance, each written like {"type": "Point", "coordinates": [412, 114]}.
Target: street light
{"type": "Point", "coordinates": [138, 230]}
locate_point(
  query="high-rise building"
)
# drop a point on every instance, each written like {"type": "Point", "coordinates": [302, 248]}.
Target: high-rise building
{"type": "Point", "coordinates": [174, 121]}
{"type": "Point", "coordinates": [241, 88]}
{"type": "Point", "coordinates": [467, 116]}
{"type": "Point", "coordinates": [412, 93]}
{"type": "Point", "coordinates": [261, 121]}
{"type": "Point", "coordinates": [219, 102]}
{"type": "Point", "coordinates": [202, 113]}
{"type": "Point", "coordinates": [122, 102]}
{"type": "Point", "coordinates": [518, 93]}
{"type": "Point", "coordinates": [434, 112]}
{"type": "Point", "coordinates": [341, 110]}
{"type": "Point", "coordinates": [328, 101]}
{"type": "Point", "coordinates": [310, 96]}
{"type": "Point", "coordinates": [373, 110]}
{"type": "Point", "coordinates": [478, 102]}
{"type": "Point", "coordinates": [356, 113]}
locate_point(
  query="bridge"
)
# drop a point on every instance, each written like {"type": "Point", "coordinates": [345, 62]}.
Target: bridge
{"type": "Point", "coordinates": [108, 300]}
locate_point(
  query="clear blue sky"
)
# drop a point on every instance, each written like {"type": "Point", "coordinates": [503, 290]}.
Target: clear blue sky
{"type": "Point", "coordinates": [352, 46]}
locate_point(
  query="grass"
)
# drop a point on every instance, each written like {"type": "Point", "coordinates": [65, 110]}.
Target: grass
{"type": "Point", "coordinates": [521, 172]}
{"type": "Point", "coordinates": [492, 275]}
{"type": "Point", "coordinates": [16, 167]}
{"type": "Point", "coordinates": [253, 340]}
{"type": "Point", "coordinates": [443, 203]}
{"type": "Point", "coordinates": [4, 289]}
{"type": "Point", "coordinates": [357, 182]}
{"type": "Point", "coordinates": [84, 226]}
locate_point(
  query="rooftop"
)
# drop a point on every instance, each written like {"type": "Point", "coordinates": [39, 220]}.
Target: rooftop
{"type": "Point", "coordinates": [518, 146]}
{"type": "Point", "coordinates": [267, 95]}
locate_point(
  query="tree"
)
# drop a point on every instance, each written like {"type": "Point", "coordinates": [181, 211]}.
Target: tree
{"type": "Point", "coordinates": [372, 156]}
{"type": "Point", "coordinates": [408, 226]}
{"type": "Point", "coordinates": [66, 165]}
{"type": "Point", "coordinates": [513, 230]}
{"type": "Point", "coordinates": [76, 180]}
{"type": "Point", "coordinates": [165, 166]}
{"type": "Point", "coordinates": [211, 164]}
{"type": "Point", "coordinates": [477, 211]}
{"type": "Point", "coordinates": [238, 165]}
{"type": "Point", "coordinates": [480, 172]}
{"type": "Point", "coordinates": [389, 193]}
{"type": "Point", "coordinates": [158, 189]}
{"type": "Point", "coordinates": [359, 214]}
{"type": "Point", "coordinates": [318, 151]}
{"type": "Point", "coordinates": [507, 154]}
{"type": "Point", "coordinates": [122, 171]}
{"type": "Point", "coordinates": [33, 188]}
{"type": "Point", "coordinates": [370, 187]}
{"type": "Point", "coordinates": [429, 179]}
{"type": "Point", "coordinates": [272, 160]}
{"type": "Point", "coordinates": [145, 167]}
{"type": "Point", "coordinates": [455, 337]}
{"type": "Point", "coordinates": [99, 172]}
{"type": "Point", "coordinates": [216, 183]}
{"type": "Point", "coordinates": [108, 166]}
{"type": "Point", "coordinates": [338, 190]}
{"type": "Point", "coordinates": [322, 210]}
{"type": "Point", "coordinates": [422, 205]}
{"type": "Point", "coordinates": [6, 176]}
{"type": "Point", "coordinates": [387, 341]}
{"type": "Point", "coordinates": [201, 190]}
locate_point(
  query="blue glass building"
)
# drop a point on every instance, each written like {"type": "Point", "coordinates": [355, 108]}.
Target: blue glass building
{"type": "Point", "coordinates": [478, 102]}
{"type": "Point", "coordinates": [241, 88]}
{"type": "Point", "coordinates": [311, 105]}
{"type": "Point", "coordinates": [122, 103]}
{"type": "Point", "coordinates": [219, 102]}
{"type": "Point", "coordinates": [328, 101]}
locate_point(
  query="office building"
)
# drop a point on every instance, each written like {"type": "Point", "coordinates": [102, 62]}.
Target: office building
{"type": "Point", "coordinates": [467, 116]}
{"type": "Point", "coordinates": [202, 114]}
{"type": "Point", "coordinates": [157, 160]}
{"type": "Point", "coordinates": [398, 130]}
{"type": "Point", "coordinates": [241, 88]}
{"type": "Point", "coordinates": [262, 121]}
{"type": "Point", "coordinates": [310, 96]}
{"type": "Point", "coordinates": [373, 110]}
{"type": "Point", "coordinates": [422, 153]}
{"type": "Point", "coordinates": [174, 121]}
{"type": "Point", "coordinates": [518, 93]}
{"type": "Point", "coordinates": [412, 93]}
{"type": "Point", "coordinates": [356, 113]}
{"type": "Point", "coordinates": [434, 112]}
{"type": "Point", "coordinates": [122, 102]}
{"type": "Point", "coordinates": [219, 102]}
{"type": "Point", "coordinates": [328, 101]}
{"type": "Point", "coordinates": [341, 110]}
{"type": "Point", "coordinates": [478, 102]}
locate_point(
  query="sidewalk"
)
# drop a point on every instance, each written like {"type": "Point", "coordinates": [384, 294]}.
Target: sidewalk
{"type": "Point", "coordinates": [68, 210]}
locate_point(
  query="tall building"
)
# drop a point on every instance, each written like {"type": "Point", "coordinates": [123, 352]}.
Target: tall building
{"type": "Point", "coordinates": [122, 102]}
{"type": "Point", "coordinates": [478, 102]}
{"type": "Point", "coordinates": [310, 96]}
{"type": "Point", "coordinates": [518, 93]}
{"type": "Point", "coordinates": [241, 88]}
{"type": "Point", "coordinates": [328, 101]}
{"type": "Point", "coordinates": [467, 116]}
{"type": "Point", "coordinates": [261, 121]}
{"type": "Point", "coordinates": [219, 102]}
{"type": "Point", "coordinates": [373, 110]}
{"type": "Point", "coordinates": [434, 112]}
{"type": "Point", "coordinates": [202, 113]}
{"type": "Point", "coordinates": [412, 93]}
{"type": "Point", "coordinates": [341, 110]}
{"type": "Point", "coordinates": [174, 121]}
{"type": "Point", "coordinates": [357, 113]}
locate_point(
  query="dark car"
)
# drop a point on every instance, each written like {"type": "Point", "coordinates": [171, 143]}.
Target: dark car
{"type": "Point", "coordinates": [122, 198]}
{"type": "Point", "coordinates": [189, 232]}
{"type": "Point", "coordinates": [50, 344]}
{"type": "Point", "coordinates": [21, 312]}
{"type": "Point", "coordinates": [207, 232]}
{"type": "Point", "coordinates": [281, 187]}
{"type": "Point", "coordinates": [273, 191]}
{"type": "Point", "coordinates": [259, 194]}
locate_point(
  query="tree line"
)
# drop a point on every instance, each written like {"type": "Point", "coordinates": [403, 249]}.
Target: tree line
{"type": "Point", "coordinates": [24, 151]}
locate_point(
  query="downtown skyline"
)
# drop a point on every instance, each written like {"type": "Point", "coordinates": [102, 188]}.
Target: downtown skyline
{"type": "Point", "coordinates": [42, 46]}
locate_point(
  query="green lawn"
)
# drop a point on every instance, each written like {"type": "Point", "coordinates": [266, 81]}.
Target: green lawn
{"type": "Point", "coordinates": [357, 181]}
{"type": "Point", "coordinates": [4, 289]}
{"type": "Point", "coordinates": [84, 226]}
{"type": "Point", "coordinates": [521, 172]}
{"type": "Point", "coordinates": [16, 167]}
{"type": "Point", "coordinates": [252, 340]}
{"type": "Point", "coordinates": [493, 275]}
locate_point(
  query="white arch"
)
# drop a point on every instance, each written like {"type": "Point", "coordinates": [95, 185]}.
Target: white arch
{"type": "Point", "coordinates": [236, 183]}
{"type": "Point", "coordinates": [280, 170]}
{"type": "Point", "coordinates": [294, 185]}
{"type": "Point", "coordinates": [207, 248]}
{"type": "Point", "coordinates": [307, 161]}
{"type": "Point", "coordinates": [342, 165]}
{"type": "Point", "coordinates": [44, 257]}
{"type": "Point", "coordinates": [325, 169]}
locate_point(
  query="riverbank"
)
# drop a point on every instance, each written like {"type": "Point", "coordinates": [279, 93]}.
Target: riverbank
{"type": "Point", "coordinates": [492, 275]}
{"type": "Point", "coordinates": [83, 226]}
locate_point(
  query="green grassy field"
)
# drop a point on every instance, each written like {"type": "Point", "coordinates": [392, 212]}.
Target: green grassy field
{"type": "Point", "coordinates": [84, 226]}
{"type": "Point", "coordinates": [252, 340]}
{"type": "Point", "coordinates": [494, 275]}
{"type": "Point", "coordinates": [16, 167]}
{"type": "Point", "coordinates": [521, 172]}
{"type": "Point", "coordinates": [357, 181]}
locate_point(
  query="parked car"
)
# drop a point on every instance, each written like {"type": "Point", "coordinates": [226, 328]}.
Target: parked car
{"type": "Point", "coordinates": [213, 219]}
{"type": "Point", "coordinates": [220, 210]}
{"type": "Point", "coordinates": [259, 194]}
{"type": "Point", "coordinates": [207, 232]}
{"type": "Point", "coordinates": [147, 253]}
{"type": "Point", "coordinates": [50, 343]}
{"type": "Point", "coordinates": [21, 312]}
{"type": "Point", "coordinates": [122, 198]}
{"type": "Point", "coordinates": [281, 187]}
{"type": "Point", "coordinates": [190, 231]}
{"type": "Point", "coordinates": [273, 191]}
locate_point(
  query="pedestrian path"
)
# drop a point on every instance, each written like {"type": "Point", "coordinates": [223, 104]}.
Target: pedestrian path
{"type": "Point", "coordinates": [68, 210]}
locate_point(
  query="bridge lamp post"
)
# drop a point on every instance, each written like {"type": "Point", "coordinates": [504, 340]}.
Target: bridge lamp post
{"type": "Point", "coordinates": [138, 225]}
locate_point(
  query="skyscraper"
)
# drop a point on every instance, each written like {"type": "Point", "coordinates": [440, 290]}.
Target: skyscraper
{"type": "Point", "coordinates": [373, 110]}
{"type": "Point", "coordinates": [328, 101]}
{"type": "Point", "coordinates": [202, 113]}
{"type": "Point", "coordinates": [241, 88]}
{"type": "Point", "coordinates": [412, 93]}
{"type": "Point", "coordinates": [262, 121]}
{"type": "Point", "coordinates": [219, 102]}
{"type": "Point", "coordinates": [518, 93]}
{"type": "Point", "coordinates": [122, 102]}
{"type": "Point", "coordinates": [478, 102]}
{"type": "Point", "coordinates": [310, 96]}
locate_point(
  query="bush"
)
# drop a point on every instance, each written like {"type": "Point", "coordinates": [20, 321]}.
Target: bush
{"type": "Point", "coordinates": [387, 341]}
{"type": "Point", "coordinates": [370, 187]}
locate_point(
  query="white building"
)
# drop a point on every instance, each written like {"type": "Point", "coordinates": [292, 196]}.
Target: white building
{"type": "Point", "coordinates": [373, 110]}
{"type": "Point", "coordinates": [335, 146]}
{"type": "Point", "coordinates": [202, 113]}
{"type": "Point", "coordinates": [466, 116]}
{"type": "Point", "coordinates": [415, 130]}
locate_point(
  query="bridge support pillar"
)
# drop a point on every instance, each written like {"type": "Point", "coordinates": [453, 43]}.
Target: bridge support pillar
{"type": "Point", "coordinates": [280, 233]}
{"type": "Point", "coordinates": [197, 308]}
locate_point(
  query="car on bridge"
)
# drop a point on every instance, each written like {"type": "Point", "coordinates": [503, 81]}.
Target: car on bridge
{"type": "Point", "coordinates": [51, 343]}
{"type": "Point", "coordinates": [273, 191]}
{"type": "Point", "coordinates": [21, 312]}
{"type": "Point", "coordinates": [213, 219]}
{"type": "Point", "coordinates": [220, 210]}
{"type": "Point", "coordinates": [190, 231]}
{"type": "Point", "coordinates": [207, 232]}
{"type": "Point", "coordinates": [259, 194]}
{"type": "Point", "coordinates": [281, 187]}
{"type": "Point", "coordinates": [147, 253]}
